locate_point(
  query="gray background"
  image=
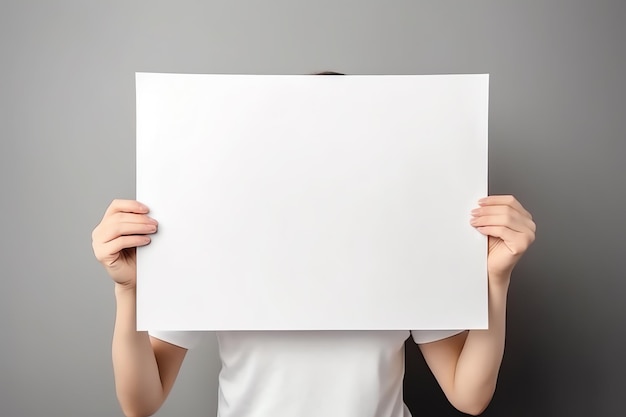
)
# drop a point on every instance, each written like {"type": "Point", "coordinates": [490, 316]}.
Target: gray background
{"type": "Point", "coordinates": [557, 141]}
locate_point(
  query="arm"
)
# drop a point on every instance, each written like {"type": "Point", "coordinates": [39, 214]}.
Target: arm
{"type": "Point", "coordinates": [466, 366]}
{"type": "Point", "coordinates": [145, 368]}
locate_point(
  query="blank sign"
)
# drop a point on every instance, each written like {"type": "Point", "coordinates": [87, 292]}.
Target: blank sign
{"type": "Point", "coordinates": [298, 202]}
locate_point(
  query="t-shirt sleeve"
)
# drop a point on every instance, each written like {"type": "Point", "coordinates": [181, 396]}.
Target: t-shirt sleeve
{"type": "Point", "coordinates": [184, 339]}
{"type": "Point", "coordinates": [427, 336]}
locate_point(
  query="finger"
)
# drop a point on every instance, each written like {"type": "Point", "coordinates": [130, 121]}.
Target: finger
{"type": "Point", "coordinates": [109, 252]}
{"type": "Point", "coordinates": [507, 200]}
{"type": "Point", "coordinates": [121, 217]}
{"type": "Point", "coordinates": [127, 206]}
{"type": "Point", "coordinates": [107, 228]}
{"type": "Point", "coordinates": [516, 242]}
{"type": "Point", "coordinates": [115, 230]}
{"type": "Point", "coordinates": [511, 215]}
{"type": "Point", "coordinates": [506, 220]}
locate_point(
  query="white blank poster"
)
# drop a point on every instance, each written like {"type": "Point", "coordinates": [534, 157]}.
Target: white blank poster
{"type": "Point", "coordinates": [299, 202]}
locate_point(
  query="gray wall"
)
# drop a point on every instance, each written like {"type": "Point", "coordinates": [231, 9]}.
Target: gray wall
{"type": "Point", "coordinates": [557, 141]}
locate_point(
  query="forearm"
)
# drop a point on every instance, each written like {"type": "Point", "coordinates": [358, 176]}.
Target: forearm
{"type": "Point", "coordinates": [137, 381]}
{"type": "Point", "coordinates": [477, 369]}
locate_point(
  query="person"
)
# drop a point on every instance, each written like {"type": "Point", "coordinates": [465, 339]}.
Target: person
{"type": "Point", "coordinates": [310, 373]}
{"type": "Point", "coordinates": [353, 373]}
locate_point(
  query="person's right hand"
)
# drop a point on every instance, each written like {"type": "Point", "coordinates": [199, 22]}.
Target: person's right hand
{"type": "Point", "coordinates": [125, 226]}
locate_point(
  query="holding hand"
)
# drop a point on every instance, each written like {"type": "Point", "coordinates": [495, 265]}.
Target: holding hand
{"type": "Point", "coordinates": [125, 226]}
{"type": "Point", "coordinates": [510, 229]}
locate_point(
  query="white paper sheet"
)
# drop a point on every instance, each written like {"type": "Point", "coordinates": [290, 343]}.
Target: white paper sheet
{"type": "Point", "coordinates": [312, 202]}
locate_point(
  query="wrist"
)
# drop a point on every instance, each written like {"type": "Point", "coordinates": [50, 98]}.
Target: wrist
{"type": "Point", "coordinates": [122, 290]}
{"type": "Point", "coordinates": [499, 281]}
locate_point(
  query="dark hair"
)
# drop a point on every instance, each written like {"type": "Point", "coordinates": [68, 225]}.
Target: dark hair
{"type": "Point", "coordinates": [328, 73]}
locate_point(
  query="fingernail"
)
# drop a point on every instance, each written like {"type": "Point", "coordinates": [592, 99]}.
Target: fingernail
{"type": "Point", "coordinates": [475, 211]}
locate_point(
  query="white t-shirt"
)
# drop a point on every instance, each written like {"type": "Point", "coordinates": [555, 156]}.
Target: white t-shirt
{"type": "Point", "coordinates": [310, 373]}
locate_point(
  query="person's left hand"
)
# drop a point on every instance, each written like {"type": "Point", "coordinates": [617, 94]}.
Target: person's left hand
{"type": "Point", "coordinates": [510, 229]}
